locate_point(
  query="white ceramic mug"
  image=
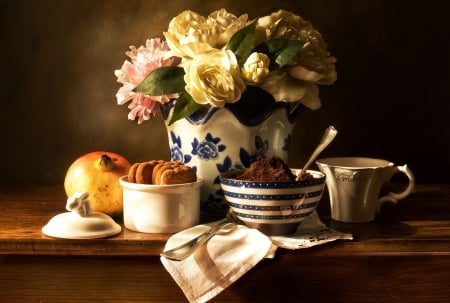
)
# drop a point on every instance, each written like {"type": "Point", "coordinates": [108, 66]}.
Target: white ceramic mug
{"type": "Point", "coordinates": [354, 185]}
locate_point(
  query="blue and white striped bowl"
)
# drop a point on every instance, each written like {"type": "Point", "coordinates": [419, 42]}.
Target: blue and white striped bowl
{"type": "Point", "coordinates": [273, 207]}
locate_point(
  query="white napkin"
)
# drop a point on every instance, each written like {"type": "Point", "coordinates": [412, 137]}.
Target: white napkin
{"type": "Point", "coordinates": [229, 255]}
{"type": "Point", "coordinates": [217, 264]}
{"type": "Point", "coordinates": [310, 232]}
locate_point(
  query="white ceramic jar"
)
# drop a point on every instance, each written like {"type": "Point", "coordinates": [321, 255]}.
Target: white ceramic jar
{"type": "Point", "coordinates": [153, 208]}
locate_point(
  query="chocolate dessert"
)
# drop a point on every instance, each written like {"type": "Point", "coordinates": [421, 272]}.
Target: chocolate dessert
{"type": "Point", "coordinates": [268, 170]}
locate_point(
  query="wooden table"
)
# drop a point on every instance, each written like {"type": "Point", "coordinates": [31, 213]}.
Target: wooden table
{"type": "Point", "coordinates": [404, 256]}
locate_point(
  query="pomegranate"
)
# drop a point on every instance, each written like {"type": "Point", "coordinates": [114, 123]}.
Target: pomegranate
{"type": "Point", "coordinates": [98, 174]}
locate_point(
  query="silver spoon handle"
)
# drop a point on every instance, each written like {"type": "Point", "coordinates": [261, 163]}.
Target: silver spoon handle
{"type": "Point", "coordinates": [184, 250]}
{"type": "Point", "coordinates": [327, 137]}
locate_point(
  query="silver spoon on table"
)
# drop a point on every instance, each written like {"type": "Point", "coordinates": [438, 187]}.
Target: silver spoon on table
{"type": "Point", "coordinates": [328, 136]}
{"type": "Point", "coordinates": [184, 250]}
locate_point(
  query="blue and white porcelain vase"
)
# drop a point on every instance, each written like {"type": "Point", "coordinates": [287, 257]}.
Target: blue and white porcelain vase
{"type": "Point", "coordinates": [219, 139]}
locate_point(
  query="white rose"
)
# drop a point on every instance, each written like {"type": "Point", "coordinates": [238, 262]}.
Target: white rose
{"type": "Point", "coordinates": [286, 88]}
{"type": "Point", "coordinates": [256, 68]}
{"type": "Point", "coordinates": [313, 62]}
{"type": "Point", "coordinates": [214, 78]}
{"type": "Point", "coordinates": [283, 25]}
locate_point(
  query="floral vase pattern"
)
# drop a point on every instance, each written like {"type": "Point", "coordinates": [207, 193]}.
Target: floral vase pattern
{"type": "Point", "coordinates": [220, 139]}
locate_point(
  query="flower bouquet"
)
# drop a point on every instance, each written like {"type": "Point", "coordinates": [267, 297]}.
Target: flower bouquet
{"type": "Point", "coordinates": [220, 59]}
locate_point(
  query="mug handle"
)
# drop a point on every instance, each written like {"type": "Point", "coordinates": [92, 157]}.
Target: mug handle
{"type": "Point", "coordinates": [394, 197]}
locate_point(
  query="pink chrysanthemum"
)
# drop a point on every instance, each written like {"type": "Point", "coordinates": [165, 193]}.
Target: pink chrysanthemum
{"type": "Point", "coordinates": [144, 60]}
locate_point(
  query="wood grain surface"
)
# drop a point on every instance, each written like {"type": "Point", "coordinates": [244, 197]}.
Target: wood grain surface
{"type": "Point", "coordinates": [403, 256]}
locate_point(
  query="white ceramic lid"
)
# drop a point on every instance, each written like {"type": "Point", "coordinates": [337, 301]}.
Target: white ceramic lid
{"type": "Point", "coordinates": [70, 225]}
{"type": "Point", "coordinates": [81, 222]}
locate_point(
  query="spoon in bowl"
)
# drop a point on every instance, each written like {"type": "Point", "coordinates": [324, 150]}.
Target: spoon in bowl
{"type": "Point", "coordinates": [327, 137]}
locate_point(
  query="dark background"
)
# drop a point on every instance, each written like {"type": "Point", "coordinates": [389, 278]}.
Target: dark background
{"type": "Point", "coordinates": [58, 86]}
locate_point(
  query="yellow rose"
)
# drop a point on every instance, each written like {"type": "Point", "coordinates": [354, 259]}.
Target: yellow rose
{"type": "Point", "coordinates": [223, 25]}
{"type": "Point", "coordinates": [190, 34]}
{"type": "Point", "coordinates": [187, 35]}
{"type": "Point", "coordinates": [256, 68]}
{"type": "Point", "coordinates": [214, 78]}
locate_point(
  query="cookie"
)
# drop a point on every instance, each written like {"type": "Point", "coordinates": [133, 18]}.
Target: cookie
{"type": "Point", "coordinates": [173, 173]}
{"type": "Point", "coordinates": [132, 172]}
{"type": "Point", "coordinates": [160, 168]}
{"type": "Point", "coordinates": [144, 171]}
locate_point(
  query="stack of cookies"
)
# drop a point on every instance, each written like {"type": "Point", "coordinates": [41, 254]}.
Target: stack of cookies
{"type": "Point", "coordinates": [160, 172]}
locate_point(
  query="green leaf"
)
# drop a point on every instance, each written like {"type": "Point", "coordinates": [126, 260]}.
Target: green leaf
{"type": "Point", "coordinates": [241, 43]}
{"type": "Point", "coordinates": [162, 81]}
{"type": "Point", "coordinates": [184, 106]}
{"type": "Point", "coordinates": [280, 51]}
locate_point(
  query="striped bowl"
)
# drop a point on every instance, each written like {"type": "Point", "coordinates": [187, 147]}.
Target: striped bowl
{"type": "Point", "coordinates": [275, 208]}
